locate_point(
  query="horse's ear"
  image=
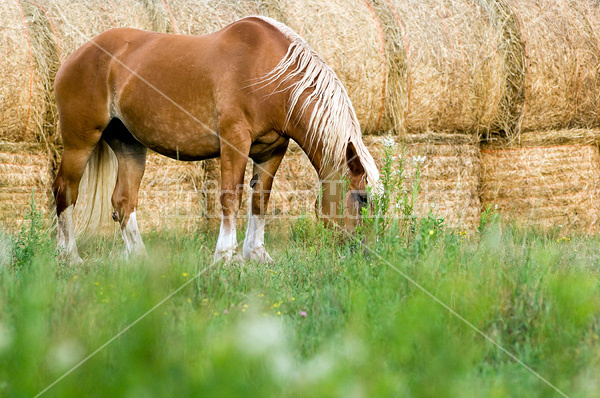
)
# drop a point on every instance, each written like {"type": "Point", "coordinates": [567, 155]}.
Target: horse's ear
{"type": "Point", "coordinates": [353, 161]}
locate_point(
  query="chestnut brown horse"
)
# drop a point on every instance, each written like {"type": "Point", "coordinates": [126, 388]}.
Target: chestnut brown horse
{"type": "Point", "coordinates": [241, 92]}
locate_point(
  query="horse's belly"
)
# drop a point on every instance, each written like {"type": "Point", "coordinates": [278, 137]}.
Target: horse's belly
{"type": "Point", "coordinates": [186, 144]}
{"type": "Point", "coordinates": [174, 133]}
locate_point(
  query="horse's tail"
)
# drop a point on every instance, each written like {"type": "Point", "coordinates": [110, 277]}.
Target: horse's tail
{"type": "Point", "coordinates": [92, 213]}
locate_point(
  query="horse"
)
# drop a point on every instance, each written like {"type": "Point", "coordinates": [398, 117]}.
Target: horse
{"type": "Point", "coordinates": [240, 92]}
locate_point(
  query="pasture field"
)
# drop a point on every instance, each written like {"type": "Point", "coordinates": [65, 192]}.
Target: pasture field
{"type": "Point", "coordinates": [324, 320]}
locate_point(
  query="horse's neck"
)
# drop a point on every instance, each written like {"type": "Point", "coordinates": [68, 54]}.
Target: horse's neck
{"type": "Point", "coordinates": [331, 185]}
{"type": "Point", "coordinates": [313, 149]}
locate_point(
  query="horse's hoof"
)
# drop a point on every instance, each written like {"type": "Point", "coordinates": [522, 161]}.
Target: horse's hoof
{"type": "Point", "coordinates": [259, 255]}
{"type": "Point", "coordinates": [68, 258]}
{"type": "Point", "coordinates": [227, 256]}
{"type": "Point", "coordinates": [138, 253]}
{"type": "Point", "coordinates": [74, 261]}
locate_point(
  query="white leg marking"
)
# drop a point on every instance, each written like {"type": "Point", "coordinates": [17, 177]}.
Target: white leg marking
{"type": "Point", "coordinates": [227, 242]}
{"type": "Point", "coordinates": [66, 245]}
{"type": "Point", "coordinates": [132, 238]}
{"type": "Point", "coordinates": [254, 244]}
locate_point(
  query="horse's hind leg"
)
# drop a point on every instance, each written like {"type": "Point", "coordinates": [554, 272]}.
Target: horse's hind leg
{"type": "Point", "coordinates": [262, 181]}
{"type": "Point", "coordinates": [66, 188]}
{"type": "Point", "coordinates": [131, 158]}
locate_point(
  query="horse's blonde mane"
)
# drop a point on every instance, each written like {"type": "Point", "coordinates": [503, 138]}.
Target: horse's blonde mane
{"type": "Point", "coordinates": [333, 120]}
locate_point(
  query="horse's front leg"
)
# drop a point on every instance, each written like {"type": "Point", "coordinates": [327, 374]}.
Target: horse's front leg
{"type": "Point", "coordinates": [262, 181]}
{"type": "Point", "coordinates": [234, 156]}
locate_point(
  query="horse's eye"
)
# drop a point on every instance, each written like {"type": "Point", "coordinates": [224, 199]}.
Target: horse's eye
{"type": "Point", "coordinates": [361, 198]}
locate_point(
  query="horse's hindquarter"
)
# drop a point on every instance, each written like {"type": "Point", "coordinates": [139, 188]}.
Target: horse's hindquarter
{"type": "Point", "coordinates": [187, 90]}
{"type": "Point", "coordinates": [166, 98]}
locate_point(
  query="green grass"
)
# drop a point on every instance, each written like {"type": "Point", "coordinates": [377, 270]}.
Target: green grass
{"type": "Point", "coordinates": [239, 330]}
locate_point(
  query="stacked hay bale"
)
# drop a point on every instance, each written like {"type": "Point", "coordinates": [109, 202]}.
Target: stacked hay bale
{"type": "Point", "coordinates": [21, 91]}
{"type": "Point", "coordinates": [24, 175]}
{"type": "Point", "coordinates": [547, 173]}
{"type": "Point", "coordinates": [449, 167]}
{"type": "Point", "coordinates": [296, 186]}
{"type": "Point", "coordinates": [548, 179]}
{"type": "Point", "coordinates": [24, 165]}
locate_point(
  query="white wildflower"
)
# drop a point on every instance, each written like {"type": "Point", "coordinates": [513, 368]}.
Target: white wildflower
{"type": "Point", "coordinates": [419, 159]}
{"type": "Point", "coordinates": [259, 336]}
{"type": "Point", "coordinates": [6, 337]}
{"type": "Point", "coordinates": [389, 142]}
{"type": "Point", "coordinates": [65, 354]}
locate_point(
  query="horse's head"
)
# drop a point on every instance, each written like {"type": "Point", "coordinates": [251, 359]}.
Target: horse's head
{"type": "Point", "coordinates": [356, 197]}
{"type": "Point", "coordinates": [344, 193]}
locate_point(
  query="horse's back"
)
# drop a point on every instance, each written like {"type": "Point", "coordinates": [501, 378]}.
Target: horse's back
{"type": "Point", "coordinates": [175, 86]}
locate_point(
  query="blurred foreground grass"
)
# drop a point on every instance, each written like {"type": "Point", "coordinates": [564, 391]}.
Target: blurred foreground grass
{"type": "Point", "coordinates": [324, 320]}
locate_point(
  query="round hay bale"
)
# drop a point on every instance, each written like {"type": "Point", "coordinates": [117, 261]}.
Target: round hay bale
{"type": "Point", "coordinates": [207, 16]}
{"type": "Point", "coordinates": [562, 48]}
{"type": "Point", "coordinates": [551, 184]}
{"type": "Point", "coordinates": [24, 170]}
{"type": "Point", "coordinates": [449, 174]}
{"type": "Point", "coordinates": [21, 88]}
{"type": "Point", "coordinates": [449, 58]}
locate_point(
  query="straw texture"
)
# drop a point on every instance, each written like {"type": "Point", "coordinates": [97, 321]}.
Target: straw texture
{"type": "Point", "coordinates": [549, 186]}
